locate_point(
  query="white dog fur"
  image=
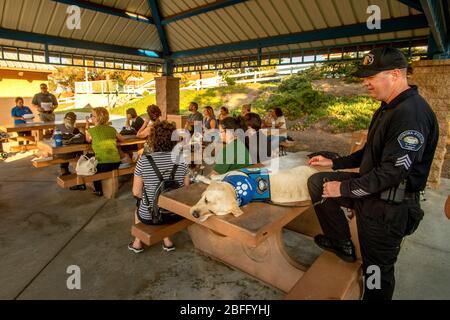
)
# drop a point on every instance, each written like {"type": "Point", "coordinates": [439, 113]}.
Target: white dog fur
{"type": "Point", "coordinates": [219, 198]}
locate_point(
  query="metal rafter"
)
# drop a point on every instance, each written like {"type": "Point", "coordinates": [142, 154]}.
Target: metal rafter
{"type": "Point", "coordinates": [287, 57]}
{"type": "Point", "coordinates": [390, 25]}
{"type": "Point", "coordinates": [435, 14]}
{"type": "Point", "coordinates": [200, 10]}
{"type": "Point", "coordinates": [106, 10]}
{"type": "Point", "coordinates": [154, 7]}
{"type": "Point", "coordinates": [74, 43]}
{"type": "Point", "coordinates": [415, 4]}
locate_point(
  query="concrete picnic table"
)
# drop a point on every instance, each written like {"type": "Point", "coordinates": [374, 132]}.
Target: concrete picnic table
{"type": "Point", "coordinates": [46, 146]}
{"type": "Point", "coordinates": [252, 242]}
{"type": "Point", "coordinates": [36, 127]}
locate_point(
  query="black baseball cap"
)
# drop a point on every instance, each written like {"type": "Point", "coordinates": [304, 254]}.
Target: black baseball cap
{"type": "Point", "coordinates": [381, 59]}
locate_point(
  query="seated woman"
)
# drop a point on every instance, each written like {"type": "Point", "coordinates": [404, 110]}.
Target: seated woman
{"type": "Point", "coordinates": [104, 143]}
{"type": "Point", "coordinates": [146, 180]}
{"type": "Point", "coordinates": [132, 126]}
{"type": "Point", "coordinates": [234, 155]}
{"type": "Point", "coordinates": [133, 122]}
{"type": "Point", "coordinates": [209, 119]}
{"type": "Point", "coordinates": [68, 129]}
{"type": "Point", "coordinates": [224, 113]}
{"type": "Point", "coordinates": [278, 121]}
{"type": "Point", "coordinates": [257, 143]}
{"type": "Point", "coordinates": [154, 115]}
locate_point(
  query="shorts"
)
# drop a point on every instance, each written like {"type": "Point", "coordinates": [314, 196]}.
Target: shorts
{"type": "Point", "coordinates": [167, 218]}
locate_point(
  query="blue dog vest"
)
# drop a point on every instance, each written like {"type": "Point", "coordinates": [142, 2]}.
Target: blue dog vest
{"type": "Point", "coordinates": [253, 186]}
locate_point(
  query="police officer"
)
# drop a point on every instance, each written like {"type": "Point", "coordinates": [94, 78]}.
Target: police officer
{"type": "Point", "coordinates": [394, 166]}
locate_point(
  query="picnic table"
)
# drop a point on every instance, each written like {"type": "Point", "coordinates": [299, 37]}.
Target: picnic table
{"type": "Point", "coordinates": [47, 147]}
{"type": "Point", "coordinates": [36, 128]}
{"type": "Point", "coordinates": [252, 242]}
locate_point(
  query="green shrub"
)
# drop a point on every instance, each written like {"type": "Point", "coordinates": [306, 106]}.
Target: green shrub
{"type": "Point", "coordinates": [352, 113]}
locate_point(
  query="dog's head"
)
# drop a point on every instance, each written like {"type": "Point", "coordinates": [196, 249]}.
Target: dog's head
{"type": "Point", "coordinates": [218, 199]}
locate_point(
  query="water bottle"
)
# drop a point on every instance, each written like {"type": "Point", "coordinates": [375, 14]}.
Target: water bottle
{"type": "Point", "coordinates": [57, 138]}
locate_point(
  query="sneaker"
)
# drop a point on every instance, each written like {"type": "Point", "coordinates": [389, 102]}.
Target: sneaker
{"type": "Point", "coordinates": [168, 249]}
{"type": "Point", "coordinates": [344, 249]}
{"type": "Point", "coordinates": [131, 248]}
{"type": "Point", "coordinates": [78, 187]}
{"type": "Point", "coordinates": [98, 193]}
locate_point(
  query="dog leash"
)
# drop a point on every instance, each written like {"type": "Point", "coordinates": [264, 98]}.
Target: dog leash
{"type": "Point", "coordinates": [297, 204]}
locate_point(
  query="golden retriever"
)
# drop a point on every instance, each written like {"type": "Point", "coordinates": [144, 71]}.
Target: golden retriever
{"type": "Point", "coordinates": [220, 197]}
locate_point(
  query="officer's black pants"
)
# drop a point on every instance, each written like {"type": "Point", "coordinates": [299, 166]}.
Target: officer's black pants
{"type": "Point", "coordinates": [381, 228]}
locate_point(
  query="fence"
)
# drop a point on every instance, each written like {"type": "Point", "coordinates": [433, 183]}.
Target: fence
{"type": "Point", "coordinates": [242, 78]}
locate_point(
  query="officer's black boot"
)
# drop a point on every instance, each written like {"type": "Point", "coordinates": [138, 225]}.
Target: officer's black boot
{"type": "Point", "coordinates": [344, 249]}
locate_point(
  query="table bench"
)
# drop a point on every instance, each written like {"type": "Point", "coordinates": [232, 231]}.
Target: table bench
{"type": "Point", "coordinates": [152, 234]}
{"type": "Point", "coordinates": [284, 146]}
{"type": "Point", "coordinates": [339, 280]}
{"type": "Point", "coordinates": [43, 163]}
{"type": "Point", "coordinates": [110, 182]}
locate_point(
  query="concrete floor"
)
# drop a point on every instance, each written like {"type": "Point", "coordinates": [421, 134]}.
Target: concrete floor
{"type": "Point", "coordinates": [45, 229]}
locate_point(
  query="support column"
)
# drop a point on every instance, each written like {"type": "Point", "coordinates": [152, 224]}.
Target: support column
{"type": "Point", "coordinates": [168, 95]}
{"type": "Point", "coordinates": [433, 78]}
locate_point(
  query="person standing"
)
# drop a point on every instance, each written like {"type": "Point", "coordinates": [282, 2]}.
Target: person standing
{"type": "Point", "coordinates": [394, 166]}
{"type": "Point", "coordinates": [46, 103]}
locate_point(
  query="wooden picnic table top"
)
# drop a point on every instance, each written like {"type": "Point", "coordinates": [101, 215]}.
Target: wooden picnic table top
{"type": "Point", "coordinates": [46, 146]}
{"type": "Point", "coordinates": [35, 126]}
{"type": "Point", "coordinates": [257, 223]}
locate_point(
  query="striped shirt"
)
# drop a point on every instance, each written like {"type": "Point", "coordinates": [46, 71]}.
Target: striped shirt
{"type": "Point", "coordinates": [144, 169]}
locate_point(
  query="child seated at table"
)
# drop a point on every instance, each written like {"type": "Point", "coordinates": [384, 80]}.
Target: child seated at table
{"type": "Point", "coordinates": [233, 155]}
{"type": "Point", "coordinates": [19, 113]}
{"type": "Point", "coordinates": [146, 179]}
{"type": "Point", "coordinates": [69, 131]}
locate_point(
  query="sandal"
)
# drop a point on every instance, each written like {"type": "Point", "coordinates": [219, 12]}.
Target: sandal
{"type": "Point", "coordinates": [131, 248]}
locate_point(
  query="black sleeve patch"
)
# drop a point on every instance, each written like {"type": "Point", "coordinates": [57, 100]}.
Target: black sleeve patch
{"type": "Point", "coordinates": [411, 140]}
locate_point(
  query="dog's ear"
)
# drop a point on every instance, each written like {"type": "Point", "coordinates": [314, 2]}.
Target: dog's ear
{"type": "Point", "coordinates": [236, 211]}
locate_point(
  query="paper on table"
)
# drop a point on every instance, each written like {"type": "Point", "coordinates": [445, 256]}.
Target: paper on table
{"type": "Point", "coordinates": [47, 106]}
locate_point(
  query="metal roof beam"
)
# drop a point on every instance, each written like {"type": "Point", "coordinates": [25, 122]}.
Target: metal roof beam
{"type": "Point", "coordinates": [106, 10]}
{"type": "Point", "coordinates": [435, 13]}
{"type": "Point", "coordinates": [391, 25]}
{"type": "Point", "coordinates": [415, 4]}
{"type": "Point", "coordinates": [154, 7]}
{"type": "Point", "coordinates": [201, 9]}
{"type": "Point", "coordinates": [74, 43]}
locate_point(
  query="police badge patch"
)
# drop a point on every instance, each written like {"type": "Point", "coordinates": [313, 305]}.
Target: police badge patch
{"type": "Point", "coordinates": [368, 59]}
{"type": "Point", "coordinates": [411, 140]}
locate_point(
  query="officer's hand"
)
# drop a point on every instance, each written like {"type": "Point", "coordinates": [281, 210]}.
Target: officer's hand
{"type": "Point", "coordinates": [320, 161]}
{"type": "Point", "coordinates": [332, 189]}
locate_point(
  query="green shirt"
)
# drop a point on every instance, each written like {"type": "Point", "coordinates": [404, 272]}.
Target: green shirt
{"type": "Point", "coordinates": [232, 156]}
{"type": "Point", "coordinates": [104, 144]}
